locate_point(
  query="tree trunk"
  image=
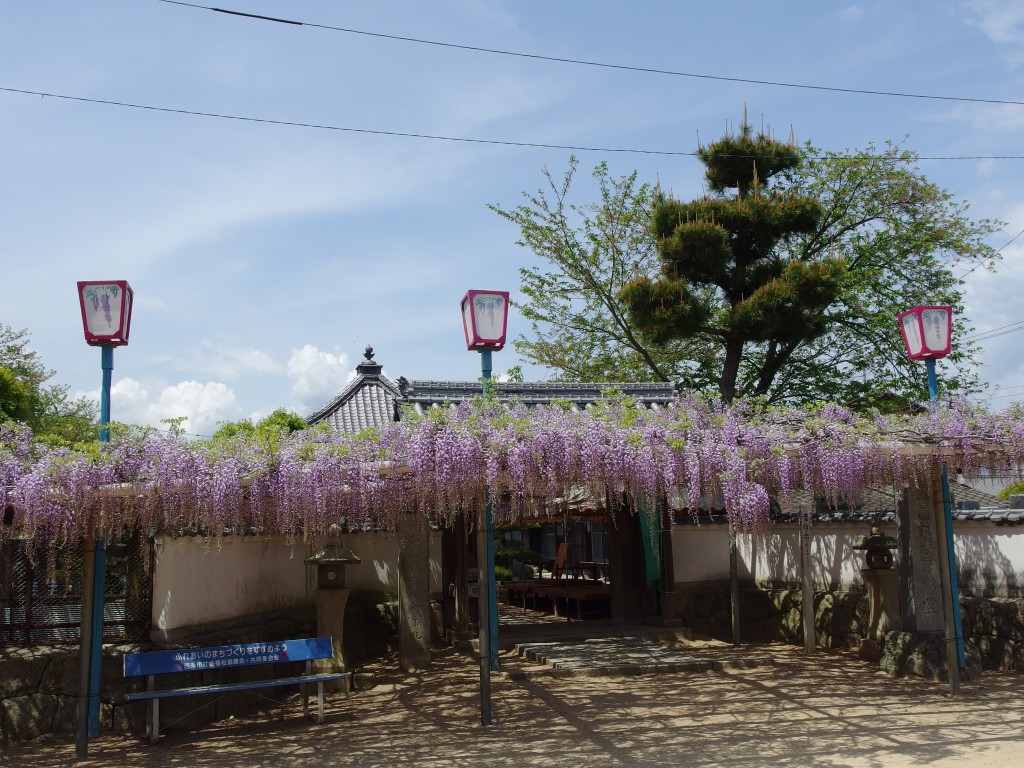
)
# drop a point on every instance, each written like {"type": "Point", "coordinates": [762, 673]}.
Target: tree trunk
{"type": "Point", "coordinates": [731, 369]}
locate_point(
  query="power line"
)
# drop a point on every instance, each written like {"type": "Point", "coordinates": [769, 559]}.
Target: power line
{"type": "Point", "coordinates": [1004, 247]}
{"type": "Point", "coordinates": [1014, 388]}
{"type": "Point", "coordinates": [603, 65]}
{"type": "Point", "coordinates": [1000, 331]}
{"type": "Point", "coordinates": [322, 127]}
{"type": "Point", "coordinates": [1014, 325]}
{"type": "Point", "coordinates": [433, 137]}
{"type": "Point", "coordinates": [1001, 397]}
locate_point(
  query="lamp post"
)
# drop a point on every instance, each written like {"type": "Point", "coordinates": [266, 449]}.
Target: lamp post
{"type": "Point", "coordinates": [106, 320]}
{"type": "Point", "coordinates": [927, 335]}
{"type": "Point", "coordinates": [485, 321]}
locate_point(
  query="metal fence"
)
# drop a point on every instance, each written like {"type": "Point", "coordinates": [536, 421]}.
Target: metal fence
{"type": "Point", "coordinates": [41, 592]}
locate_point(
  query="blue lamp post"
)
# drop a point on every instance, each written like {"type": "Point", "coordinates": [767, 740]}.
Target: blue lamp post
{"type": "Point", "coordinates": [106, 320]}
{"type": "Point", "coordinates": [927, 334]}
{"type": "Point", "coordinates": [485, 321]}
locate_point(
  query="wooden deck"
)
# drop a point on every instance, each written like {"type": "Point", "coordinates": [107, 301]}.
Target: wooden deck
{"type": "Point", "coordinates": [559, 592]}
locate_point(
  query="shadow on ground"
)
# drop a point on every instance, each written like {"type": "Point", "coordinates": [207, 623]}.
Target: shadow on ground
{"type": "Point", "coordinates": [830, 709]}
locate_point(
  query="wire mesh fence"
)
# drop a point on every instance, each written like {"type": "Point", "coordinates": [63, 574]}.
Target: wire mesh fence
{"type": "Point", "coordinates": [41, 591]}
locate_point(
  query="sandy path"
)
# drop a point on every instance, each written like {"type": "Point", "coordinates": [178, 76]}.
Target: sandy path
{"type": "Point", "coordinates": [827, 710]}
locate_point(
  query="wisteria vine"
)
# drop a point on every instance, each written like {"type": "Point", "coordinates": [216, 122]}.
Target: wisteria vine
{"type": "Point", "coordinates": [738, 457]}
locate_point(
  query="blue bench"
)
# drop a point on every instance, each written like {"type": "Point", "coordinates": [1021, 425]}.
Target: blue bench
{"type": "Point", "coordinates": [225, 657]}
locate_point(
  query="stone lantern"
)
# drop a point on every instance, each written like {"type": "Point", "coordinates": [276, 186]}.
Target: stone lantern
{"type": "Point", "coordinates": [882, 582]}
{"type": "Point", "coordinates": [330, 565]}
{"type": "Point", "coordinates": [330, 597]}
{"type": "Point", "coordinates": [877, 548]}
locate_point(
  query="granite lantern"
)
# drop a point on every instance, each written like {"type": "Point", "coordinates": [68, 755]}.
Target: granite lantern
{"type": "Point", "coordinates": [330, 565]}
{"type": "Point", "coordinates": [877, 548]}
{"type": "Point", "coordinates": [882, 583]}
{"type": "Point", "coordinates": [330, 597]}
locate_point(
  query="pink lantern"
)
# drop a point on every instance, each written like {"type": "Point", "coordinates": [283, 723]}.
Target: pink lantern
{"type": "Point", "coordinates": [927, 331]}
{"type": "Point", "coordinates": [106, 311]}
{"type": "Point", "coordinates": [485, 319]}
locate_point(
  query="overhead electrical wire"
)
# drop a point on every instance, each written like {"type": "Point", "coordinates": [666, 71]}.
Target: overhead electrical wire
{"type": "Point", "coordinates": [991, 336]}
{"type": "Point", "coordinates": [1014, 388]}
{"type": "Point", "coordinates": [981, 263]}
{"type": "Point", "coordinates": [1000, 331]}
{"type": "Point", "coordinates": [324, 127]}
{"type": "Point", "coordinates": [601, 64]}
{"type": "Point", "coordinates": [433, 137]}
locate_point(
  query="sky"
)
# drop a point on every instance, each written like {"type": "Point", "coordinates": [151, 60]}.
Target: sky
{"type": "Point", "coordinates": [266, 256]}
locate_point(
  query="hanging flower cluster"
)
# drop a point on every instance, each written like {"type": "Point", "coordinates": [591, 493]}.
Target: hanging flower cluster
{"type": "Point", "coordinates": [738, 457]}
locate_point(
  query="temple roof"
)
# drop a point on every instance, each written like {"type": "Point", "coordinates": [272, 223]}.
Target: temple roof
{"type": "Point", "coordinates": [371, 398]}
{"type": "Point", "coordinates": [424, 394]}
{"type": "Point", "coordinates": [367, 401]}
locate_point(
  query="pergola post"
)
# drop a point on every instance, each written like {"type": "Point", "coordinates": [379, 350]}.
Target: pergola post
{"type": "Point", "coordinates": [413, 592]}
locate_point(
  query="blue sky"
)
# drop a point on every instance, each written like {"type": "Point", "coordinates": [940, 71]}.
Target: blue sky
{"type": "Point", "coordinates": [264, 257]}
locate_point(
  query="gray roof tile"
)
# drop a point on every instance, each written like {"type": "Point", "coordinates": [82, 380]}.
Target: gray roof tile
{"type": "Point", "coordinates": [429, 393]}
{"type": "Point", "coordinates": [368, 400]}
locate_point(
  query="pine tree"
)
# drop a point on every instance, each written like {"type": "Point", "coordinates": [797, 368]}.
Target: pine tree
{"type": "Point", "coordinates": [724, 274]}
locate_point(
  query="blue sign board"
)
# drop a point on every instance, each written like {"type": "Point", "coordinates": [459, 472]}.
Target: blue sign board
{"type": "Point", "coordinates": [226, 656]}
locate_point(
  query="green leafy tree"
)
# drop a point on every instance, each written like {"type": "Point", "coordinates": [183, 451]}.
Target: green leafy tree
{"type": "Point", "coordinates": [26, 396]}
{"type": "Point", "coordinates": [579, 326]}
{"type": "Point", "coordinates": [1012, 489]}
{"type": "Point", "coordinates": [886, 239]}
{"type": "Point", "coordinates": [272, 427]}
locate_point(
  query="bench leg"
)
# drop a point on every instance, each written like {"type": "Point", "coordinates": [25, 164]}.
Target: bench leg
{"type": "Point", "coordinates": [153, 726]}
{"type": "Point", "coordinates": [319, 700]}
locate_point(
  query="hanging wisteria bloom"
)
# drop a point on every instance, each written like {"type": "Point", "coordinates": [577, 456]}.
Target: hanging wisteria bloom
{"type": "Point", "coordinates": [700, 451]}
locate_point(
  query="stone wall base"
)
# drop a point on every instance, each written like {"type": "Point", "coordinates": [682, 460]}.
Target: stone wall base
{"type": "Point", "coordinates": [923, 654]}
{"type": "Point", "coordinates": [993, 628]}
{"type": "Point", "coordinates": [39, 685]}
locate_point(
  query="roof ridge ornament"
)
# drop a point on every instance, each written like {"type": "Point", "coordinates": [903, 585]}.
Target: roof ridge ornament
{"type": "Point", "coordinates": [369, 367]}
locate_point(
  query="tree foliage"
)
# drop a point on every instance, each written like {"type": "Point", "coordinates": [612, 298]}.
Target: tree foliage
{"type": "Point", "coordinates": [279, 423]}
{"type": "Point", "coordinates": [886, 239]}
{"type": "Point", "coordinates": [26, 397]}
{"type": "Point", "coordinates": [724, 274]}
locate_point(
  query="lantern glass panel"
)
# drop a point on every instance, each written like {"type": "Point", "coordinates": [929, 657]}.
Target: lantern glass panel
{"type": "Point", "coordinates": [489, 313]}
{"type": "Point", "coordinates": [102, 308]}
{"type": "Point", "coordinates": [936, 329]}
{"type": "Point", "coordinates": [467, 320]}
{"type": "Point", "coordinates": [912, 333]}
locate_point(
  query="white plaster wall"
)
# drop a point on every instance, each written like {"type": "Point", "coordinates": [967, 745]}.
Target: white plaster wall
{"type": "Point", "coordinates": [378, 569]}
{"type": "Point", "coordinates": [196, 581]}
{"type": "Point", "coordinates": [990, 558]}
{"type": "Point", "coordinates": [833, 559]}
{"type": "Point", "coordinates": [701, 553]}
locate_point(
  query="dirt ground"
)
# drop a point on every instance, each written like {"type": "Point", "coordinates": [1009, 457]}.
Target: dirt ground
{"type": "Point", "coordinates": [830, 709]}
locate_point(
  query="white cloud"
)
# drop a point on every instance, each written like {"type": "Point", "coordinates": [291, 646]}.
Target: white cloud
{"type": "Point", "coordinates": [991, 311]}
{"type": "Point", "coordinates": [202, 405]}
{"type": "Point", "coordinates": [1004, 119]}
{"type": "Point", "coordinates": [225, 362]}
{"type": "Point", "coordinates": [129, 400]}
{"type": "Point", "coordinates": [316, 375]}
{"type": "Point", "coordinates": [1001, 20]}
{"type": "Point", "coordinates": [127, 390]}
